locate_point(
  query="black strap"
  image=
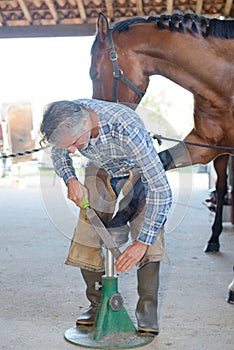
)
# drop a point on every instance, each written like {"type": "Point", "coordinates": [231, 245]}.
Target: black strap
{"type": "Point", "coordinates": [118, 73]}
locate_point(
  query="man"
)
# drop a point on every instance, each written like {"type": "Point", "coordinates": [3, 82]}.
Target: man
{"type": "Point", "coordinates": [124, 164]}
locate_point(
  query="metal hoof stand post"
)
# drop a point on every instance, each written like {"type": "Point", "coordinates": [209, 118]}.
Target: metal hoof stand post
{"type": "Point", "coordinates": [113, 327]}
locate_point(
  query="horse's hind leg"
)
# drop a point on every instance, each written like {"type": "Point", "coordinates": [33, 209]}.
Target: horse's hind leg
{"type": "Point", "coordinates": [232, 186]}
{"type": "Point", "coordinates": [220, 165]}
{"type": "Point", "coordinates": [183, 155]}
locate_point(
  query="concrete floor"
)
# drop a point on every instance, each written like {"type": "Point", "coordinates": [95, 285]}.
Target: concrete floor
{"type": "Point", "coordinates": [41, 297]}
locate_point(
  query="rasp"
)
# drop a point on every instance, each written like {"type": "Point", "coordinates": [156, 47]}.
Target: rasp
{"type": "Point", "coordinates": [101, 230]}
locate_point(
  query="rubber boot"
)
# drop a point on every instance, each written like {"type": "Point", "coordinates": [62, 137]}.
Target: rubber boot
{"type": "Point", "coordinates": [146, 311]}
{"type": "Point", "coordinates": [93, 292]}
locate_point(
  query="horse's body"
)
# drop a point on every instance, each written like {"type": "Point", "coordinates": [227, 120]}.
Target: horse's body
{"type": "Point", "coordinates": [194, 52]}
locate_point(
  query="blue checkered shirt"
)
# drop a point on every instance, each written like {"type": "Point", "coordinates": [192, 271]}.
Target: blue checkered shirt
{"type": "Point", "coordinates": [124, 143]}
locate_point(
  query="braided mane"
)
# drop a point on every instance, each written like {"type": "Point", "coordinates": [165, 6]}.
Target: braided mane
{"type": "Point", "coordinates": [176, 22]}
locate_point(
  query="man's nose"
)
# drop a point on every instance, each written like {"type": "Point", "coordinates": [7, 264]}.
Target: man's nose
{"type": "Point", "coordinates": [72, 149]}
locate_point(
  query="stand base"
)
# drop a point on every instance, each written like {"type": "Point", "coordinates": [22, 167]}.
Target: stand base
{"type": "Point", "coordinates": [110, 341]}
{"type": "Point", "coordinates": [113, 327]}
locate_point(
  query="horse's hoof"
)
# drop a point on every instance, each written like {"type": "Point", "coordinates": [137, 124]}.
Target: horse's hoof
{"type": "Point", "coordinates": [230, 298]}
{"type": "Point", "coordinates": [212, 248]}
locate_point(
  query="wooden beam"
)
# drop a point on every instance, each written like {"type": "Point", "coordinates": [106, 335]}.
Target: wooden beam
{"type": "Point", "coordinates": [169, 6]}
{"type": "Point", "coordinates": [52, 9]}
{"type": "Point", "coordinates": [109, 7]}
{"type": "Point", "coordinates": [1, 20]}
{"type": "Point", "coordinates": [139, 7]}
{"type": "Point", "coordinates": [199, 6]}
{"type": "Point", "coordinates": [227, 8]}
{"type": "Point", "coordinates": [25, 10]}
{"type": "Point", "coordinates": [81, 9]}
{"type": "Point", "coordinates": [40, 31]}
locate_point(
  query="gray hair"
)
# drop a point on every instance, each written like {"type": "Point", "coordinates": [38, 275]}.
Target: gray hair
{"type": "Point", "coordinates": [61, 118]}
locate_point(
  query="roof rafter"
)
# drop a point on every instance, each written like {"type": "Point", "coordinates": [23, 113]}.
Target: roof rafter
{"type": "Point", "coordinates": [199, 6]}
{"type": "Point", "coordinates": [25, 11]}
{"type": "Point", "coordinates": [81, 9]}
{"type": "Point", "coordinates": [227, 8]}
{"type": "Point", "coordinates": [139, 7]}
{"type": "Point", "coordinates": [169, 6]}
{"type": "Point", "coordinates": [1, 20]}
{"type": "Point", "coordinates": [109, 7]}
{"type": "Point", "coordinates": [52, 9]}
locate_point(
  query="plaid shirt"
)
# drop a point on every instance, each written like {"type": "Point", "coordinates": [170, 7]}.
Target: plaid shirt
{"type": "Point", "coordinates": [124, 143]}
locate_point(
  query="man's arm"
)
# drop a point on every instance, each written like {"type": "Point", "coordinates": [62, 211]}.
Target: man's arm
{"type": "Point", "coordinates": [130, 257]}
{"type": "Point", "coordinates": [63, 164]}
{"type": "Point", "coordinates": [158, 196]}
{"type": "Point", "coordinates": [63, 167]}
{"type": "Point", "coordinates": [153, 176]}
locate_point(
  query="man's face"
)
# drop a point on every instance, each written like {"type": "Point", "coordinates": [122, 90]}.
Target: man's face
{"type": "Point", "coordinates": [78, 141]}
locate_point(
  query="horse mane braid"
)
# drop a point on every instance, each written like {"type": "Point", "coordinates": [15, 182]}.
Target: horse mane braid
{"type": "Point", "coordinates": [221, 28]}
{"type": "Point", "coordinates": [123, 26]}
{"type": "Point", "coordinates": [176, 22]}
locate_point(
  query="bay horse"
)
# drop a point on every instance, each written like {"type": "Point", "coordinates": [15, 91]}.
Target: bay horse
{"type": "Point", "coordinates": [196, 53]}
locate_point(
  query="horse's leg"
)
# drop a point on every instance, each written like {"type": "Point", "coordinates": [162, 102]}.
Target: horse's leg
{"type": "Point", "coordinates": [230, 298]}
{"type": "Point", "coordinates": [232, 186]}
{"type": "Point", "coordinates": [183, 154]}
{"type": "Point", "coordinates": [220, 165]}
{"type": "Point", "coordinates": [129, 206]}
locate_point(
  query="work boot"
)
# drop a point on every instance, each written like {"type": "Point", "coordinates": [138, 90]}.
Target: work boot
{"type": "Point", "coordinates": [93, 292]}
{"type": "Point", "coordinates": [146, 311]}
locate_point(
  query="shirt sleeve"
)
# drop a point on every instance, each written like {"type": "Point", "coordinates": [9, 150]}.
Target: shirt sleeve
{"type": "Point", "coordinates": [63, 164]}
{"type": "Point", "coordinates": [158, 193]}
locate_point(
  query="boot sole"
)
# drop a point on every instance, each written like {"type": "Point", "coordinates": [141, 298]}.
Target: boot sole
{"type": "Point", "coordinates": [88, 324]}
{"type": "Point", "coordinates": [148, 331]}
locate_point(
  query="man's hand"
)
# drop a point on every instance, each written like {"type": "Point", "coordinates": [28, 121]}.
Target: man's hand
{"type": "Point", "coordinates": [76, 192]}
{"type": "Point", "coordinates": [130, 257]}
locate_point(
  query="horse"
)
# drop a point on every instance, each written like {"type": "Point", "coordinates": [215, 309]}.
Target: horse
{"type": "Point", "coordinates": [196, 53]}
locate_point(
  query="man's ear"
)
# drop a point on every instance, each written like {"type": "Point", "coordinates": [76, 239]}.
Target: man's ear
{"type": "Point", "coordinates": [93, 118]}
{"type": "Point", "coordinates": [87, 121]}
